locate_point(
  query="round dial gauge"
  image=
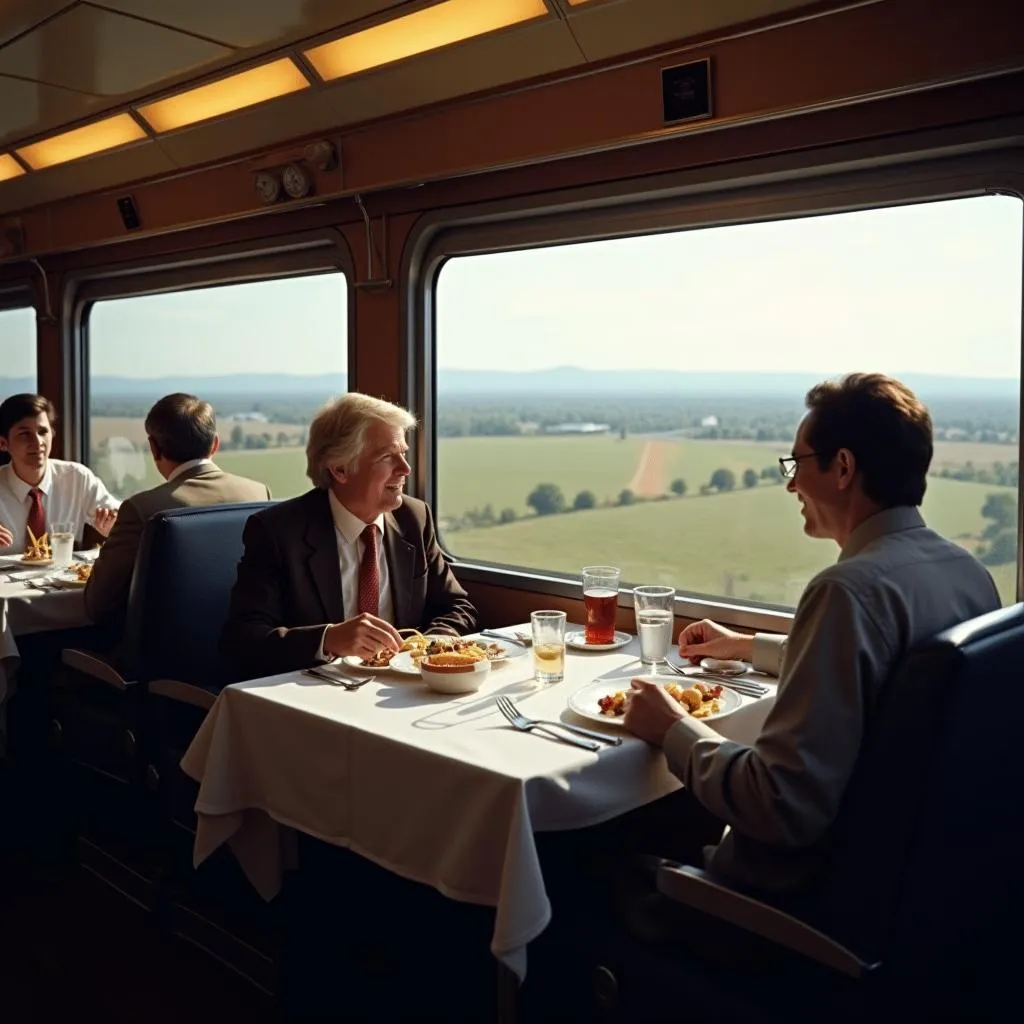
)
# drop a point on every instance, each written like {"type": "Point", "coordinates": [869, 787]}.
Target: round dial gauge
{"type": "Point", "coordinates": [268, 188]}
{"type": "Point", "coordinates": [297, 181]}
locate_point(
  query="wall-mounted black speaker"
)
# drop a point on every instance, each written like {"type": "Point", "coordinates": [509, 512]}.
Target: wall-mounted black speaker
{"type": "Point", "coordinates": [129, 214]}
{"type": "Point", "coordinates": [686, 91]}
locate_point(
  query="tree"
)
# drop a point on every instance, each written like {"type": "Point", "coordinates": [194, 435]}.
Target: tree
{"type": "Point", "coordinates": [749, 478]}
{"type": "Point", "coordinates": [1001, 509]}
{"type": "Point", "coordinates": [1003, 549]}
{"type": "Point", "coordinates": [723, 479]}
{"type": "Point", "coordinates": [627, 497]}
{"type": "Point", "coordinates": [584, 500]}
{"type": "Point", "coordinates": [622, 434]}
{"type": "Point", "coordinates": [772, 474]}
{"type": "Point", "coordinates": [282, 439]}
{"type": "Point", "coordinates": [508, 515]}
{"type": "Point", "coordinates": [546, 499]}
{"type": "Point", "coordinates": [678, 487]}
{"type": "Point", "coordinates": [237, 436]}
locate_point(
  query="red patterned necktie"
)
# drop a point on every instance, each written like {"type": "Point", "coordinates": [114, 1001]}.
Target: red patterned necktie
{"type": "Point", "coordinates": [369, 576]}
{"type": "Point", "coordinates": [36, 516]}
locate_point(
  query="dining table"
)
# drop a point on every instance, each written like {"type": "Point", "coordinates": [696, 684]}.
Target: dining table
{"type": "Point", "coordinates": [31, 603]}
{"type": "Point", "coordinates": [439, 789]}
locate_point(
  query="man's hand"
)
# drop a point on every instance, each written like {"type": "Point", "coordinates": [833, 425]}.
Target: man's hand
{"type": "Point", "coordinates": [707, 639]}
{"type": "Point", "coordinates": [363, 635]}
{"type": "Point", "coordinates": [6, 537]}
{"type": "Point", "coordinates": [104, 519]}
{"type": "Point", "coordinates": [650, 711]}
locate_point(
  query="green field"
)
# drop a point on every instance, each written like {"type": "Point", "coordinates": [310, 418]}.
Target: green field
{"type": "Point", "coordinates": [746, 544]}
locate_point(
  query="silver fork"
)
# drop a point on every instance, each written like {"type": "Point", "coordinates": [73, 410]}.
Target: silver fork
{"type": "Point", "coordinates": [519, 721]}
{"type": "Point", "coordinates": [338, 680]}
{"type": "Point", "coordinates": [748, 689]}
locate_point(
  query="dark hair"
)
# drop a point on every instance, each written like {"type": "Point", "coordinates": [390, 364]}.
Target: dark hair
{"type": "Point", "coordinates": [182, 427]}
{"type": "Point", "coordinates": [886, 427]}
{"type": "Point", "coordinates": [21, 407]}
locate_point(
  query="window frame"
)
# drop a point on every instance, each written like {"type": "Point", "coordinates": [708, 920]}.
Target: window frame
{"type": "Point", "coordinates": [961, 162]}
{"type": "Point", "coordinates": [302, 254]}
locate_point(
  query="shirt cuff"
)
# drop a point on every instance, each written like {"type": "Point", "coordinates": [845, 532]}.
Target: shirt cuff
{"type": "Point", "coordinates": [680, 740]}
{"type": "Point", "coordinates": [768, 652]}
{"type": "Point", "coordinates": [320, 656]}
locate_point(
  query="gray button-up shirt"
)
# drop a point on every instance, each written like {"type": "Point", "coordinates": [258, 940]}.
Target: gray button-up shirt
{"type": "Point", "coordinates": [897, 583]}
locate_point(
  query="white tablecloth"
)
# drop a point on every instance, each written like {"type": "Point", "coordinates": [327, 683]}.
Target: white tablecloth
{"type": "Point", "coordinates": [437, 789]}
{"type": "Point", "coordinates": [26, 610]}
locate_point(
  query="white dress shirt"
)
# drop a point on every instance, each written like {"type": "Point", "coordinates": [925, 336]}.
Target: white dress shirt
{"type": "Point", "coordinates": [71, 494]}
{"type": "Point", "coordinates": [348, 531]}
{"type": "Point", "coordinates": [186, 466]}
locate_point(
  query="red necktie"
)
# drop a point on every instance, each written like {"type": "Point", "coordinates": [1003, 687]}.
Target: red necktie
{"type": "Point", "coordinates": [369, 576]}
{"type": "Point", "coordinates": [36, 516]}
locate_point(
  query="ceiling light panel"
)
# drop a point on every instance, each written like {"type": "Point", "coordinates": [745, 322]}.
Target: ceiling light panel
{"type": "Point", "coordinates": [441, 25]}
{"type": "Point", "coordinates": [85, 141]}
{"type": "Point", "coordinates": [257, 85]}
{"type": "Point", "coordinates": [9, 167]}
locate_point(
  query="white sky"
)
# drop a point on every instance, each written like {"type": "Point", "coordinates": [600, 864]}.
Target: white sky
{"type": "Point", "coordinates": [934, 287]}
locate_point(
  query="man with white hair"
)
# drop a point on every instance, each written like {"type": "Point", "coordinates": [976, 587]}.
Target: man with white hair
{"type": "Point", "coordinates": [338, 570]}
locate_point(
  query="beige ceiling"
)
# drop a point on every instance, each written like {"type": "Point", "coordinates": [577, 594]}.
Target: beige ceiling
{"type": "Point", "coordinates": [65, 61]}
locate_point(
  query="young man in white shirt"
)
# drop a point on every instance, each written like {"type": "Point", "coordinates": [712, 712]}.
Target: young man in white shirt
{"type": "Point", "coordinates": [36, 490]}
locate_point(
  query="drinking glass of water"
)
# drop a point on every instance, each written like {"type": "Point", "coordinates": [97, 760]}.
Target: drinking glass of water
{"type": "Point", "coordinates": [653, 607]}
{"type": "Point", "coordinates": [62, 543]}
{"type": "Point", "coordinates": [548, 646]}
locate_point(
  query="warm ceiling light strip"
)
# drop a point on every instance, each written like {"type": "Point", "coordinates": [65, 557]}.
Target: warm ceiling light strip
{"type": "Point", "coordinates": [434, 27]}
{"type": "Point", "coordinates": [257, 85]}
{"type": "Point", "coordinates": [91, 138]}
{"type": "Point", "coordinates": [9, 167]}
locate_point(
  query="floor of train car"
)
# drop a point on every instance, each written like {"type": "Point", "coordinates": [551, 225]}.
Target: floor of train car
{"type": "Point", "coordinates": [71, 945]}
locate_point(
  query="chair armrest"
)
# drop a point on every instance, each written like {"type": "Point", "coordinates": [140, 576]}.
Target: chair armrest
{"type": "Point", "coordinates": [94, 666]}
{"type": "Point", "coordinates": [698, 889]}
{"type": "Point", "coordinates": [185, 693]}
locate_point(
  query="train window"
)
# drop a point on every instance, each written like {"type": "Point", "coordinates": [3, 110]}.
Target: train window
{"type": "Point", "coordinates": [626, 400]}
{"type": "Point", "coordinates": [266, 354]}
{"type": "Point", "coordinates": [17, 351]}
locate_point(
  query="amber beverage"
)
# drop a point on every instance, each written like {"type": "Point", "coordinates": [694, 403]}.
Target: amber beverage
{"type": "Point", "coordinates": [600, 599]}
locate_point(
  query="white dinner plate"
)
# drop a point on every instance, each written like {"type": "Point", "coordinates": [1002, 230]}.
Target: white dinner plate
{"type": "Point", "coordinates": [29, 564]}
{"type": "Point", "coordinates": [578, 642]}
{"type": "Point", "coordinates": [584, 700]}
{"type": "Point", "coordinates": [68, 579]}
{"type": "Point", "coordinates": [403, 662]}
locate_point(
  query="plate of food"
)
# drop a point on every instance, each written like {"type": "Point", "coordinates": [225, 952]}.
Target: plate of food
{"type": "Point", "coordinates": [578, 641]}
{"type": "Point", "coordinates": [74, 576]}
{"type": "Point", "coordinates": [603, 701]}
{"type": "Point", "coordinates": [478, 648]}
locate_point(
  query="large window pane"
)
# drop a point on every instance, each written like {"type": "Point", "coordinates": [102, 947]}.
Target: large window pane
{"type": "Point", "coordinates": [17, 351]}
{"type": "Point", "coordinates": [266, 354]}
{"type": "Point", "coordinates": [654, 381]}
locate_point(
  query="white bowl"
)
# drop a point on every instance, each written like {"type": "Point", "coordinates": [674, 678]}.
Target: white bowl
{"type": "Point", "coordinates": [457, 679]}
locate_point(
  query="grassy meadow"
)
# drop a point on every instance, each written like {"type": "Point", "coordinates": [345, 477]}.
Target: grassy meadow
{"type": "Point", "coordinates": [746, 543]}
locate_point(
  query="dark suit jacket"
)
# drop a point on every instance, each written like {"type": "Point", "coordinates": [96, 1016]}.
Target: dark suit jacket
{"type": "Point", "coordinates": [289, 584]}
{"type": "Point", "coordinates": [106, 593]}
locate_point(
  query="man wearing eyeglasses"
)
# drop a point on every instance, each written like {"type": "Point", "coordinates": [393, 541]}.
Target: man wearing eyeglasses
{"type": "Point", "coordinates": [858, 470]}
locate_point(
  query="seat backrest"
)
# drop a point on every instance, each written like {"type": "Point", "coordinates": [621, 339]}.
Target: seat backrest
{"type": "Point", "coordinates": [893, 848]}
{"type": "Point", "coordinates": [184, 572]}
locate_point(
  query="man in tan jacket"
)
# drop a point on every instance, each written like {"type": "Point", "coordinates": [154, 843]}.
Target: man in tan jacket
{"type": "Point", "coordinates": [182, 432]}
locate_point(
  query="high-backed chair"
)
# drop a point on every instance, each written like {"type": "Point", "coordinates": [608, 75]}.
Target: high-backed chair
{"type": "Point", "coordinates": [923, 883]}
{"type": "Point", "coordinates": [170, 669]}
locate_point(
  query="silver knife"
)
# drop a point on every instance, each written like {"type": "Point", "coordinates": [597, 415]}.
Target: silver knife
{"type": "Point", "coordinates": [503, 636]}
{"type": "Point", "coordinates": [613, 741]}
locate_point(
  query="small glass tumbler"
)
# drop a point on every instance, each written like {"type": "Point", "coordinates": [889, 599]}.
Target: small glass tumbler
{"type": "Point", "coordinates": [62, 544]}
{"type": "Point", "coordinates": [653, 607]}
{"type": "Point", "coordinates": [548, 646]}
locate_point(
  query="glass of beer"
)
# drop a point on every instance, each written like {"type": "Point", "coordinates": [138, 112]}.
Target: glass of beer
{"type": "Point", "coordinates": [600, 599]}
{"type": "Point", "coordinates": [653, 607]}
{"type": "Point", "coordinates": [548, 646]}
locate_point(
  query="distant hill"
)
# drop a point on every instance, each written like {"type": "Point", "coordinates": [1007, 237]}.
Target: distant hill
{"type": "Point", "coordinates": [561, 380]}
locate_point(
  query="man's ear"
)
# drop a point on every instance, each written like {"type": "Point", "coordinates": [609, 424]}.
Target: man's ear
{"type": "Point", "coordinates": [847, 463]}
{"type": "Point", "coordinates": [3, 443]}
{"type": "Point", "coordinates": [154, 450]}
{"type": "Point", "coordinates": [338, 473]}
{"type": "Point", "coordinates": [215, 447]}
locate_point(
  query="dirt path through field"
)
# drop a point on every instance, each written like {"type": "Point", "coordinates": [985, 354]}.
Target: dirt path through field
{"type": "Point", "coordinates": [649, 478]}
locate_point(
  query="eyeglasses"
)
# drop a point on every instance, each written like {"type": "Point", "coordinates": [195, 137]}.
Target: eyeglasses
{"type": "Point", "coordinates": [788, 464]}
